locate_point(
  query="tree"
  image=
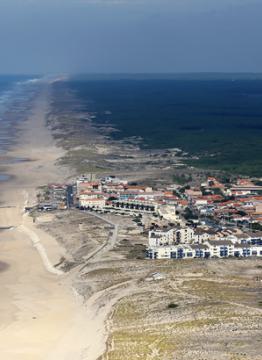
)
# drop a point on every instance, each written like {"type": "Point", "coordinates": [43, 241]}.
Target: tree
{"type": "Point", "coordinates": [188, 214]}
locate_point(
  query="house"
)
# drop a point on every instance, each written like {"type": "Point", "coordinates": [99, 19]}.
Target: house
{"type": "Point", "coordinates": [200, 202]}
{"type": "Point", "coordinates": [193, 193]}
{"type": "Point", "coordinates": [201, 235]}
{"type": "Point", "coordinates": [88, 186]}
{"type": "Point", "coordinates": [113, 180]}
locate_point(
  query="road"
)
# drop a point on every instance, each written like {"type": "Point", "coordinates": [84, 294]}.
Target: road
{"type": "Point", "coordinates": [69, 196]}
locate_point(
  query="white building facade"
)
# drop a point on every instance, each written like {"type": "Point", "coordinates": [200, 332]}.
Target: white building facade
{"type": "Point", "coordinates": [211, 249]}
{"type": "Point", "coordinates": [161, 237]}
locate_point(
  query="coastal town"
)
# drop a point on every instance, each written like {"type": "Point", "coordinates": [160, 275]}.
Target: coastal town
{"type": "Point", "coordinates": [143, 257]}
{"type": "Point", "coordinates": [130, 180]}
{"type": "Point", "coordinates": [213, 220]}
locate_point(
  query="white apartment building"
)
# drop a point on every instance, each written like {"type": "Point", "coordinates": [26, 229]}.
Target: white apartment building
{"type": "Point", "coordinates": [161, 237]}
{"type": "Point", "coordinates": [220, 248]}
{"type": "Point", "coordinates": [170, 252]}
{"type": "Point", "coordinates": [214, 248]}
{"type": "Point", "coordinates": [184, 235]}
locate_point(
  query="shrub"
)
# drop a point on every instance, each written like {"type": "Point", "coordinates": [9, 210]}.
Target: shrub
{"type": "Point", "coordinates": [172, 306]}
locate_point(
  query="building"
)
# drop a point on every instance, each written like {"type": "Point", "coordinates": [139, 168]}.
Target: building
{"type": "Point", "coordinates": [161, 237]}
{"type": "Point", "coordinates": [201, 236]}
{"type": "Point", "coordinates": [134, 205]}
{"type": "Point", "coordinates": [243, 250]}
{"type": "Point", "coordinates": [201, 251]}
{"type": "Point", "coordinates": [91, 200]}
{"type": "Point", "coordinates": [168, 213]}
{"type": "Point", "coordinates": [163, 245]}
{"type": "Point", "coordinates": [216, 248]}
{"type": "Point", "coordinates": [220, 248]}
{"type": "Point", "coordinates": [83, 186]}
{"type": "Point", "coordinates": [184, 235]}
{"type": "Point", "coordinates": [170, 252]}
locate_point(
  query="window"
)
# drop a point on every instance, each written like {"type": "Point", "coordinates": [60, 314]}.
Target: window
{"type": "Point", "coordinates": [223, 253]}
{"type": "Point", "coordinates": [180, 253]}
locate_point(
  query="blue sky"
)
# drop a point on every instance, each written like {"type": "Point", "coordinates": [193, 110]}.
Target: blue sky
{"type": "Point", "coordinates": [53, 36]}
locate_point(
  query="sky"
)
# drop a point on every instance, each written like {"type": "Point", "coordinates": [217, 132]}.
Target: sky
{"type": "Point", "coordinates": [130, 36]}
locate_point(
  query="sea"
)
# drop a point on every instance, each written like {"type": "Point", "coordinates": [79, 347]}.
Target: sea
{"type": "Point", "coordinates": [217, 120]}
{"type": "Point", "coordinates": [15, 92]}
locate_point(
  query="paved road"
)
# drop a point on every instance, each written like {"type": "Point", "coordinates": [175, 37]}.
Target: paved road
{"type": "Point", "coordinates": [70, 196]}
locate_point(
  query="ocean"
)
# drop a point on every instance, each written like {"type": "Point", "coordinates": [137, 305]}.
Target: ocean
{"type": "Point", "coordinates": [220, 121]}
{"type": "Point", "coordinates": [15, 92]}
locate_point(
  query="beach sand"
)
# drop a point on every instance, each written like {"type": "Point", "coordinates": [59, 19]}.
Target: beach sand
{"type": "Point", "coordinates": [40, 316]}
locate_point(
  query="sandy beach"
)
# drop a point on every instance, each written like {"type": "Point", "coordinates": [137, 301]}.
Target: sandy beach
{"type": "Point", "coordinates": [40, 316]}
